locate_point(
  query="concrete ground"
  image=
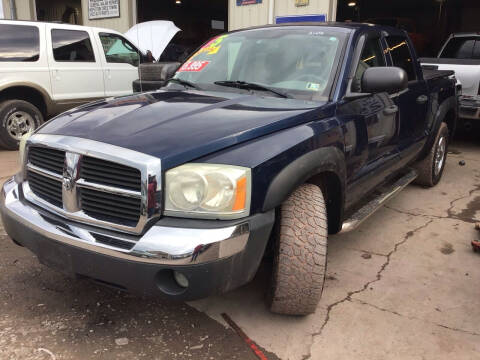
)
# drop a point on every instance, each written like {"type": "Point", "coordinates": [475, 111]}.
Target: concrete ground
{"type": "Point", "coordinates": [405, 285]}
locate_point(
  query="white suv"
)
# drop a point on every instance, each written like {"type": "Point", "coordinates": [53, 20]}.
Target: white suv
{"type": "Point", "coordinates": [46, 68]}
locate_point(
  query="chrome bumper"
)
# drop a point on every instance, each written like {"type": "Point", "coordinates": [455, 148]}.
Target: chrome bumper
{"type": "Point", "coordinates": [159, 245]}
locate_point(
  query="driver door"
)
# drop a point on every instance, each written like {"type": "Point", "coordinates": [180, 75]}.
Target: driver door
{"type": "Point", "coordinates": [371, 126]}
{"type": "Point", "coordinates": [120, 64]}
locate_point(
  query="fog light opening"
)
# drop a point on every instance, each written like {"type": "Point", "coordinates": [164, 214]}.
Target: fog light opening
{"type": "Point", "coordinates": [181, 279]}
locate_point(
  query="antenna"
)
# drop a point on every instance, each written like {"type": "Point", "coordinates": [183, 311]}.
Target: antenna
{"type": "Point", "coordinates": [139, 63]}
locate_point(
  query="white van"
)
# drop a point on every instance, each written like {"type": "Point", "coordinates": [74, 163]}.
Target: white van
{"type": "Point", "coordinates": [46, 68]}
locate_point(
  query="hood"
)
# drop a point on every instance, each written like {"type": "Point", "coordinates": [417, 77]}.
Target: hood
{"type": "Point", "coordinates": [179, 126]}
{"type": "Point", "coordinates": [152, 35]}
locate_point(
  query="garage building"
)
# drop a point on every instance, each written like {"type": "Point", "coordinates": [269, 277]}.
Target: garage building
{"type": "Point", "coordinates": [429, 22]}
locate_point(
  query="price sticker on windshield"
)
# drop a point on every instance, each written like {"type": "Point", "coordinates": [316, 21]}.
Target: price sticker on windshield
{"type": "Point", "coordinates": [193, 66]}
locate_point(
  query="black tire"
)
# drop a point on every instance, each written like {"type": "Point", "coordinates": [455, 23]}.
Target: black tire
{"type": "Point", "coordinates": [429, 172]}
{"type": "Point", "coordinates": [156, 71]}
{"type": "Point", "coordinates": [300, 259]}
{"type": "Point", "coordinates": [21, 112]}
{"type": "Point", "coordinates": [145, 85]}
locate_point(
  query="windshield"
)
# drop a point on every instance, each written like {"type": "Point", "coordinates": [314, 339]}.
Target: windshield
{"type": "Point", "coordinates": [299, 62]}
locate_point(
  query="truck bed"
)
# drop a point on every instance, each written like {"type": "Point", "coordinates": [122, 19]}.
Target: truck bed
{"type": "Point", "coordinates": [430, 73]}
{"type": "Point", "coordinates": [449, 61]}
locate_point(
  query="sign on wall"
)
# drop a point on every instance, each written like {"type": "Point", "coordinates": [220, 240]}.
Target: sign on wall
{"type": "Point", "coordinates": [302, 2]}
{"type": "Point", "coordinates": [248, 2]}
{"type": "Point", "coordinates": [101, 9]}
{"type": "Point", "coordinates": [301, 18]}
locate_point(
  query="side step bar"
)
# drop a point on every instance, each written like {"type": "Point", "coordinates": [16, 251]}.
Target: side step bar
{"type": "Point", "coordinates": [384, 194]}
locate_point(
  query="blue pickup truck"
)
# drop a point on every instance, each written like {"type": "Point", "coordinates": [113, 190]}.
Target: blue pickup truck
{"type": "Point", "coordinates": [264, 142]}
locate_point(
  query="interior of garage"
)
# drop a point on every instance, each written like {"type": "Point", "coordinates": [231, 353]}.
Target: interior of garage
{"type": "Point", "coordinates": [69, 11]}
{"type": "Point", "coordinates": [429, 22]}
{"type": "Point", "coordinates": [199, 20]}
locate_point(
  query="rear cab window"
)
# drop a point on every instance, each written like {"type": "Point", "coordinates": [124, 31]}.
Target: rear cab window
{"type": "Point", "coordinates": [19, 43]}
{"type": "Point", "coordinates": [463, 47]}
{"type": "Point", "coordinates": [401, 55]}
{"type": "Point", "coordinates": [72, 46]}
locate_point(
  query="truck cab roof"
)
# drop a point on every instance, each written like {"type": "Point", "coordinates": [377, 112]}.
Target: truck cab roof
{"type": "Point", "coordinates": [348, 26]}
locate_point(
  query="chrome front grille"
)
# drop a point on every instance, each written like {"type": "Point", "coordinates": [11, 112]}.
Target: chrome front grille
{"type": "Point", "coordinates": [46, 188]}
{"type": "Point", "coordinates": [107, 173]}
{"type": "Point", "coordinates": [107, 186]}
{"type": "Point", "coordinates": [48, 159]}
{"type": "Point", "coordinates": [110, 207]}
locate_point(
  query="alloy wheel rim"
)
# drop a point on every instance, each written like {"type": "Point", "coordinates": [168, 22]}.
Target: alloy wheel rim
{"type": "Point", "coordinates": [19, 123]}
{"type": "Point", "coordinates": [440, 155]}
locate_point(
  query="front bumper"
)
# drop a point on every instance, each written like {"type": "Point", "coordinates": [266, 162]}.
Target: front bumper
{"type": "Point", "coordinates": [215, 256]}
{"type": "Point", "coordinates": [469, 108]}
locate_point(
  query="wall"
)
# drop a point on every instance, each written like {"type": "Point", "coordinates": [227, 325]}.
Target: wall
{"type": "Point", "coordinates": [257, 14]}
{"type": "Point", "coordinates": [25, 9]}
{"type": "Point", "coordinates": [126, 20]}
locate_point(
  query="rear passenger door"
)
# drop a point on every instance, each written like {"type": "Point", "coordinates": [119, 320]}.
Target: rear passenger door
{"type": "Point", "coordinates": [75, 68]}
{"type": "Point", "coordinates": [413, 102]}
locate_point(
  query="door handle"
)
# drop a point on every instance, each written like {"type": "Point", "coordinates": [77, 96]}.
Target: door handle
{"type": "Point", "coordinates": [56, 74]}
{"type": "Point", "coordinates": [390, 110]}
{"type": "Point", "coordinates": [422, 99]}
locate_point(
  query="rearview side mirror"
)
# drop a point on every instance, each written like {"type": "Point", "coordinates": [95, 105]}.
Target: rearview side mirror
{"type": "Point", "coordinates": [384, 79]}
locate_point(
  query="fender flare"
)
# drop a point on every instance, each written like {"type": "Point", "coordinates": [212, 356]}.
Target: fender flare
{"type": "Point", "coordinates": [328, 159]}
{"type": "Point", "coordinates": [49, 104]}
{"type": "Point", "coordinates": [447, 105]}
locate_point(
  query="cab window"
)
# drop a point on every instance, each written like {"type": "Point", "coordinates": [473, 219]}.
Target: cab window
{"type": "Point", "coordinates": [118, 50]}
{"type": "Point", "coordinates": [19, 43]}
{"type": "Point", "coordinates": [401, 56]}
{"type": "Point", "coordinates": [461, 48]}
{"type": "Point", "coordinates": [72, 46]}
{"type": "Point", "coordinates": [372, 55]}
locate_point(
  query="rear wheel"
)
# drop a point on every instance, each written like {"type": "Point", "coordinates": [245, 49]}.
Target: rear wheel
{"type": "Point", "coordinates": [430, 169]}
{"type": "Point", "coordinates": [300, 258]}
{"type": "Point", "coordinates": [17, 117]}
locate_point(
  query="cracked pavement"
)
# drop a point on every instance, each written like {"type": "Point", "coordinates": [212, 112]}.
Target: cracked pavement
{"type": "Point", "coordinates": [405, 284]}
{"type": "Point", "coordinates": [415, 295]}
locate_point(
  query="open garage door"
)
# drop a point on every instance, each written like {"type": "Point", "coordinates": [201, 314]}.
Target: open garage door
{"type": "Point", "coordinates": [199, 20]}
{"type": "Point", "coordinates": [429, 22]}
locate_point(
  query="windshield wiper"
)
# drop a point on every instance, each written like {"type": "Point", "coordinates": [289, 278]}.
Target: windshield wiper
{"type": "Point", "coordinates": [183, 82]}
{"type": "Point", "coordinates": [250, 86]}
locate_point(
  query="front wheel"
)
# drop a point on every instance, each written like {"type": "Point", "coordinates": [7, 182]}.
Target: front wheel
{"type": "Point", "coordinates": [17, 118]}
{"type": "Point", "coordinates": [430, 169]}
{"type": "Point", "coordinates": [300, 259]}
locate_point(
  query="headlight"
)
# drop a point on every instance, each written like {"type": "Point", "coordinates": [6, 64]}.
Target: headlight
{"type": "Point", "coordinates": [21, 156]}
{"type": "Point", "coordinates": [208, 191]}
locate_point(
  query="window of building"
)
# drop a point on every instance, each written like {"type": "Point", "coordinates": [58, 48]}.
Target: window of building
{"type": "Point", "coordinates": [118, 50]}
{"type": "Point", "coordinates": [401, 56]}
{"type": "Point", "coordinates": [72, 45]}
{"type": "Point", "coordinates": [19, 43]}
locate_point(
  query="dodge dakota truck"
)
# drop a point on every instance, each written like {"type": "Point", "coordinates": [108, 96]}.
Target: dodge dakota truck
{"type": "Point", "coordinates": [266, 140]}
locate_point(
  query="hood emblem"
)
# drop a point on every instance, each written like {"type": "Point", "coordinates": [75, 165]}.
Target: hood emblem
{"type": "Point", "coordinates": [68, 182]}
